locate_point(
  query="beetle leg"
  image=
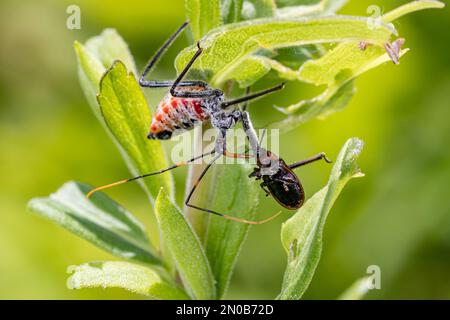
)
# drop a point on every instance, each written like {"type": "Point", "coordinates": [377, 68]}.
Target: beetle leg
{"type": "Point", "coordinates": [264, 187]}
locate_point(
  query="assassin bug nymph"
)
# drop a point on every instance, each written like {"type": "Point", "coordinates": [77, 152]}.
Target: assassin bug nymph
{"type": "Point", "coordinates": [191, 102]}
{"type": "Point", "coordinates": [279, 179]}
{"type": "Point", "coordinates": [197, 102]}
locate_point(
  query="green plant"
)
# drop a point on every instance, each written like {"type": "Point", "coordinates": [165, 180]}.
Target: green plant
{"type": "Point", "coordinates": [243, 41]}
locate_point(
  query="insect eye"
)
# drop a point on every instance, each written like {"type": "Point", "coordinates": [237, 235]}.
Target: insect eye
{"type": "Point", "coordinates": [162, 135]}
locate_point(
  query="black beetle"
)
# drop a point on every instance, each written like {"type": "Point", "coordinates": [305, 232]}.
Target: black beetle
{"type": "Point", "coordinates": [279, 179]}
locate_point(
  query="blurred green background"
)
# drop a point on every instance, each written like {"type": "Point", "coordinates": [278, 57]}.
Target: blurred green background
{"type": "Point", "coordinates": [397, 217]}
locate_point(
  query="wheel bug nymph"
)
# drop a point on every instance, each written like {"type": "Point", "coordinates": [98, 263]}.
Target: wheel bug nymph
{"type": "Point", "coordinates": [191, 102]}
{"type": "Point", "coordinates": [181, 109]}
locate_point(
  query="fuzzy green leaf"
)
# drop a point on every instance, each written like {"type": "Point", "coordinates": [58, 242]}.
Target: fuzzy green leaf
{"type": "Point", "coordinates": [90, 71]}
{"type": "Point", "coordinates": [126, 104]}
{"type": "Point", "coordinates": [283, 71]}
{"type": "Point", "coordinates": [251, 70]}
{"type": "Point", "coordinates": [290, 3]}
{"type": "Point", "coordinates": [254, 9]}
{"type": "Point", "coordinates": [343, 63]}
{"type": "Point", "coordinates": [203, 15]}
{"type": "Point", "coordinates": [412, 7]}
{"type": "Point", "coordinates": [302, 8]}
{"type": "Point", "coordinates": [145, 280]}
{"type": "Point", "coordinates": [231, 10]}
{"type": "Point", "coordinates": [301, 235]}
{"type": "Point", "coordinates": [127, 116]}
{"type": "Point", "coordinates": [232, 193]}
{"type": "Point", "coordinates": [185, 249]}
{"type": "Point", "coordinates": [295, 57]}
{"type": "Point", "coordinates": [357, 291]}
{"type": "Point", "coordinates": [109, 47]}
{"type": "Point", "coordinates": [226, 48]}
{"type": "Point", "coordinates": [95, 57]}
{"type": "Point", "coordinates": [332, 100]}
{"type": "Point", "coordinates": [337, 69]}
{"type": "Point", "coordinates": [99, 220]}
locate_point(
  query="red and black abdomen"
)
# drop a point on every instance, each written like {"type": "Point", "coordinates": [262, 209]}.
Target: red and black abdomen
{"type": "Point", "coordinates": [175, 114]}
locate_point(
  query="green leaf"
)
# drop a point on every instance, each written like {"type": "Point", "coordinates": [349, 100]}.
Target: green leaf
{"type": "Point", "coordinates": [203, 15]}
{"type": "Point", "coordinates": [282, 71]}
{"type": "Point", "coordinates": [232, 193]}
{"type": "Point", "coordinates": [95, 57]}
{"type": "Point", "coordinates": [251, 70]}
{"type": "Point", "coordinates": [337, 69]}
{"type": "Point", "coordinates": [127, 115]}
{"type": "Point", "coordinates": [185, 248]}
{"type": "Point", "coordinates": [226, 48]}
{"type": "Point", "coordinates": [149, 281]}
{"type": "Point", "coordinates": [99, 220]}
{"type": "Point", "coordinates": [109, 47]}
{"type": "Point", "coordinates": [231, 10]}
{"type": "Point", "coordinates": [412, 7]}
{"type": "Point", "coordinates": [302, 8]}
{"type": "Point", "coordinates": [343, 63]}
{"type": "Point", "coordinates": [90, 71]}
{"type": "Point", "coordinates": [357, 291]}
{"type": "Point", "coordinates": [254, 9]}
{"type": "Point", "coordinates": [301, 235]}
{"type": "Point", "coordinates": [332, 100]}
{"type": "Point", "coordinates": [295, 57]}
{"type": "Point", "coordinates": [132, 110]}
{"type": "Point", "coordinates": [290, 3]}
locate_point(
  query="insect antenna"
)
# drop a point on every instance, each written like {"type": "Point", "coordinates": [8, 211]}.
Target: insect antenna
{"type": "Point", "coordinates": [90, 193]}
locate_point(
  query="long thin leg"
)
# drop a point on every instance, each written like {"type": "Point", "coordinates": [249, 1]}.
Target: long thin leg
{"type": "Point", "coordinates": [156, 58]}
{"type": "Point", "coordinates": [247, 93]}
{"type": "Point", "coordinates": [180, 164]}
{"type": "Point", "coordinates": [248, 126]}
{"type": "Point", "coordinates": [251, 133]}
{"type": "Point", "coordinates": [90, 193]}
{"type": "Point", "coordinates": [191, 94]}
{"type": "Point", "coordinates": [215, 212]}
{"type": "Point", "coordinates": [256, 95]}
{"type": "Point", "coordinates": [168, 84]}
{"type": "Point", "coordinates": [320, 156]}
{"type": "Point", "coordinates": [221, 147]}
